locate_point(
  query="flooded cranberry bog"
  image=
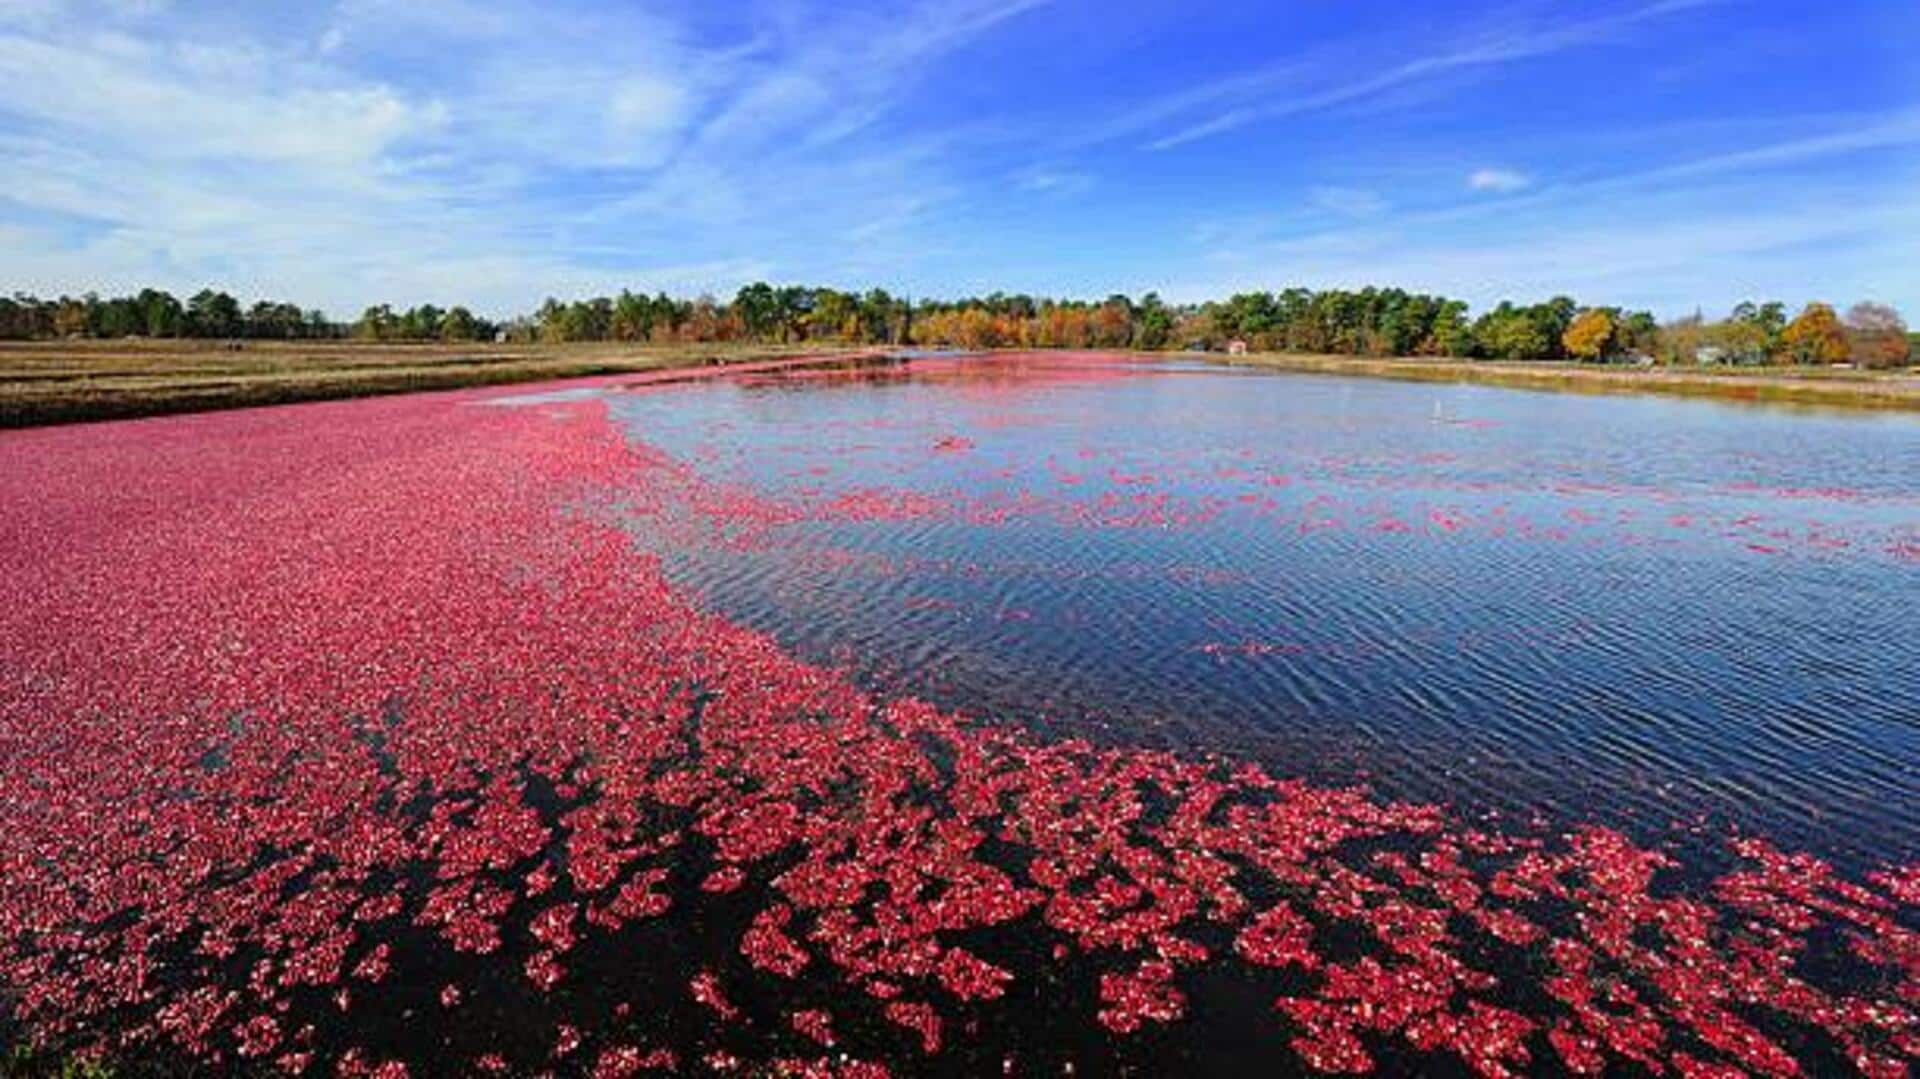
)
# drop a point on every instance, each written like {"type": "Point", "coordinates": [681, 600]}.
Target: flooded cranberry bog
{"type": "Point", "coordinates": [961, 715]}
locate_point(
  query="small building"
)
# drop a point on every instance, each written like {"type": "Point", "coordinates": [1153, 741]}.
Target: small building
{"type": "Point", "coordinates": [1236, 347]}
{"type": "Point", "coordinates": [1709, 354]}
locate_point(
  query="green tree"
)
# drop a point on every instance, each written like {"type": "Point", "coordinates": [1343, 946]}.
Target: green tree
{"type": "Point", "coordinates": [377, 323]}
{"type": "Point", "coordinates": [213, 314]}
{"type": "Point", "coordinates": [1512, 333]}
{"type": "Point", "coordinates": [1451, 334]}
{"type": "Point", "coordinates": [632, 317]}
{"type": "Point", "coordinates": [1153, 322]}
{"type": "Point", "coordinates": [835, 315]}
{"type": "Point", "coordinates": [758, 308]}
{"type": "Point", "coordinates": [1638, 331]}
{"type": "Point", "coordinates": [161, 313]}
{"type": "Point", "coordinates": [791, 305]}
{"type": "Point", "coordinates": [880, 317]}
{"type": "Point", "coordinates": [268, 319]}
{"type": "Point", "coordinates": [119, 317]}
{"type": "Point", "coordinates": [458, 324]}
{"type": "Point", "coordinates": [1761, 326]}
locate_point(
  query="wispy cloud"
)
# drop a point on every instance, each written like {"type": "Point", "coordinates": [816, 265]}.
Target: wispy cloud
{"type": "Point", "coordinates": [1709, 229]}
{"type": "Point", "coordinates": [1054, 181]}
{"type": "Point", "coordinates": [1898, 130]}
{"type": "Point", "coordinates": [1497, 180]}
{"type": "Point", "coordinates": [1315, 82]}
{"type": "Point", "coordinates": [1348, 201]}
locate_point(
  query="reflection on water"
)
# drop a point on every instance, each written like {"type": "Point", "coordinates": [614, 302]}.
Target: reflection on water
{"type": "Point", "coordinates": [1640, 610]}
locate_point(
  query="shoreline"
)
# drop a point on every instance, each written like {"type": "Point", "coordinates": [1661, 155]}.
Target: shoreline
{"type": "Point", "coordinates": [57, 383]}
{"type": "Point", "coordinates": [45, 384]}
{"type": "Point", "coordinates": [1850, 389]}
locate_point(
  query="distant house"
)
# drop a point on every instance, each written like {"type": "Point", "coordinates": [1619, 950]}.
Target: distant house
{"type": "Point", "coordinates": [499, 337]}
{"type": "Point", "coordinates": [1236, 347]}
{"type": "Point", "coordinates": [1709, 354]}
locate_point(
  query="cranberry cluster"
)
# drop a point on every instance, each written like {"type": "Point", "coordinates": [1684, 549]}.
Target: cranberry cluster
{"type": "Point", "coordinates": [331, 724]}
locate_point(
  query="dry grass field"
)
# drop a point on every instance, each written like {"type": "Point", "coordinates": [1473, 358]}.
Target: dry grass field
{"type": "Point", "coordinates": [73, 381]}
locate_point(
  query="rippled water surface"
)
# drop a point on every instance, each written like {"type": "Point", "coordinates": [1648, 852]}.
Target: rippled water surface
{"type": "Point", "coordinates": [1637, 610]}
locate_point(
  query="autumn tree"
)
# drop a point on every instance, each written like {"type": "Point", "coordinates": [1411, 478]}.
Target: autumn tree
{"type": "Point", "coordinates": [1815, 336]}
{"type": "Point", "coordinates": [706, 321]}
{"type": "Point", "coordinates": [1877, 336]}
{"type": "Point", "coordinates": [1590, 336]}
{"type": "Point", "coordinates": [1112, 323]}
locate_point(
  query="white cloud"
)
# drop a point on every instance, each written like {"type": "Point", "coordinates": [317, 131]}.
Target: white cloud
{"type": "Point", "coordinates": [452, 150]}
{"type": "Point", "coordinates": [204, 102]}
{"type": "Point", "coordinates": [1499, 181]}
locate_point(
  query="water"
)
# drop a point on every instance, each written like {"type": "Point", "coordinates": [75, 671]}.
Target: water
{"type": "Point", "coordinates": [1634, 610]}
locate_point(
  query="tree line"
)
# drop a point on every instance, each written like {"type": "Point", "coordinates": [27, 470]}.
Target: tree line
{"type": "Point", "coordinates": [216, 315]}
{"type": "Point", "coordinates": [157, 313]}
{"type": "Point", "coordinates": [1356, 322]}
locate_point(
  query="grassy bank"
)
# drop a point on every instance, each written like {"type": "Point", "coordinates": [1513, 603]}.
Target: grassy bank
{"type": "Point", "coordinates": [1805, 386]}
{"type": "Point", "coordinates": [74, 381]}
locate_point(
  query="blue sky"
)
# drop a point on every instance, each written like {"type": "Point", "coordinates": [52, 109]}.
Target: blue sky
{"type": "Point", "coordinates": [1660, 154]}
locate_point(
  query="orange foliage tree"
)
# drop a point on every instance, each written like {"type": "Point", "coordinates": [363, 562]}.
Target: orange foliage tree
{"type": "Point", "coordinates": [1877, 336]}
{"type": "Point", "coordinates": [1815, 336]}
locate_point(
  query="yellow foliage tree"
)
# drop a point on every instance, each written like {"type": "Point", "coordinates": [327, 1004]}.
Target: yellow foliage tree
{"type": "Point", "coordinates": [1815, 336]}
{"type": "Point", "coordinates": [1590, 335]}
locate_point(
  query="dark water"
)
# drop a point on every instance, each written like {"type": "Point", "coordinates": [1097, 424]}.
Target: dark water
{"type": "Point", "coordinates": [1631, 610]}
